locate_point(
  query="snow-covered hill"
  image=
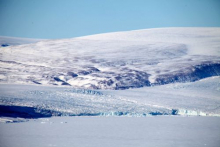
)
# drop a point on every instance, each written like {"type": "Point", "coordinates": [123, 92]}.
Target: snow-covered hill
{"type": "Point", "coordinates": [118, 60]}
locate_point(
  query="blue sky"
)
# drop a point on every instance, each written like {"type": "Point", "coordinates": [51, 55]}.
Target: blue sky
{"type": "Point", "coordinates": [72, 18]}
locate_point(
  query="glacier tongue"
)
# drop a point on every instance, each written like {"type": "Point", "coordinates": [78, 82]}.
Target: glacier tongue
{"type": "Point", "coordinates": [200, 98]}
{"type": "Point", "coordinates": [55, 101]}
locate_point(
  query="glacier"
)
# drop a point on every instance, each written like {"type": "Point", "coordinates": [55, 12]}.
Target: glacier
{"type": "Point", "coordinates": [200, 98]}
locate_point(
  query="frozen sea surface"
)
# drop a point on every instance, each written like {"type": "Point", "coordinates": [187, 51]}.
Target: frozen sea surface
{"type": "Point", "coordinates": [159, 131]}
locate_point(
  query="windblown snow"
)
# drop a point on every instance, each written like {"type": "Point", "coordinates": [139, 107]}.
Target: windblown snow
{"type": "Point", "coordinates": [176, 71]}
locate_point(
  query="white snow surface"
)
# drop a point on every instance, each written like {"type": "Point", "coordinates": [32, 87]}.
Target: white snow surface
{"type": "Point", "coordinates": [118, 60]}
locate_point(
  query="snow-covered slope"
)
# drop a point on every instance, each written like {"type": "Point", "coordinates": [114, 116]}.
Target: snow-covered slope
{"type": "Point", "coordinates": [118, 60]}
